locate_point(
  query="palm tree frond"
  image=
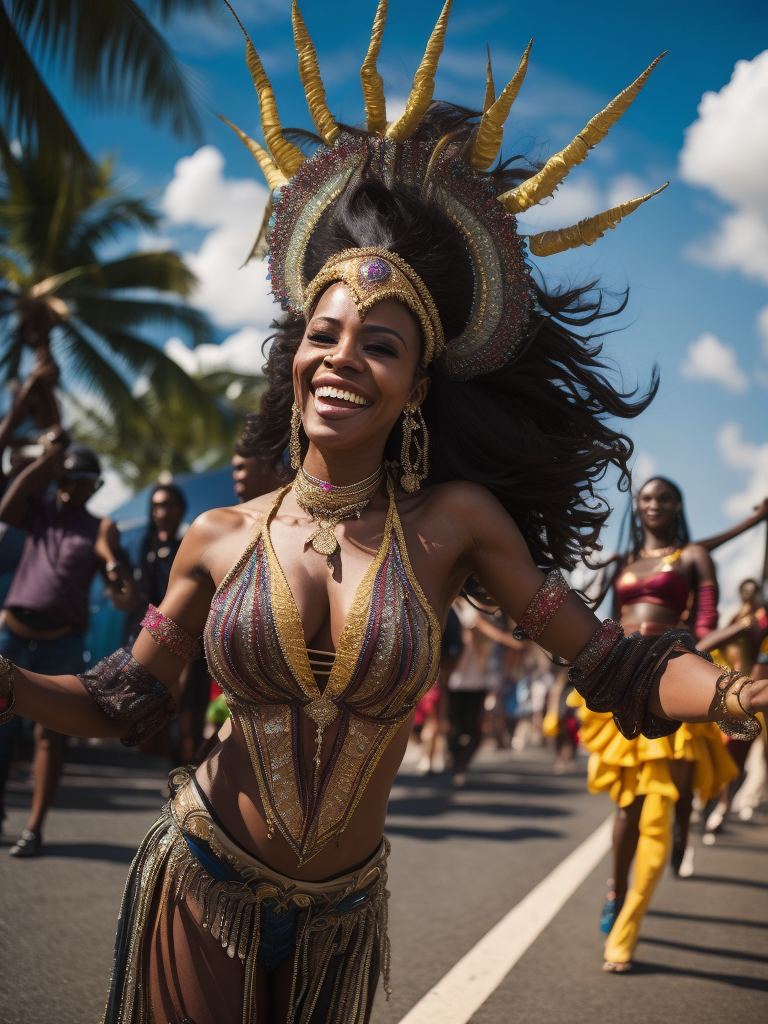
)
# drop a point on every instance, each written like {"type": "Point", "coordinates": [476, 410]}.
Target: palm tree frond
{"type": "Point", "coordinates": [29, 108]}
{"type": "Point", "coordinates": [103, 311]}
{"type": "Point", "coordinates": [160, 271]}
{"type": "Point", "coordinates": [169, 382]}
{"type": "Point", "coordinates": [114, 53]}
{"type": "Point", "coordinates": [95, 374]}
{"type": "Point", "coordinates": [112, 217]}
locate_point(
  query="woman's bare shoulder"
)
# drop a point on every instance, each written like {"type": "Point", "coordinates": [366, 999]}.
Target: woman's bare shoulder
{"type": "Point", "coordinates": [696, 555]}
{"type": "Point", "coordinates": [232, 518]}
{"type": "Point", "coordinates": [221, 532]}
{"type": "Point", "coordinates": [462, 515]}
{"type": "Point", "coordinates": [465, 503]}
{"type": "Point", "coordinates": [459, 497]}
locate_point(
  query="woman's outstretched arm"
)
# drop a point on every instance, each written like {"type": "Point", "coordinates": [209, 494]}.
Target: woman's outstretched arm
{"type": "Point", "coordinates": [760, 513]}
{"type": "Point", "coordinates": [683, 686]}
{"type": "Point", "coordinates": [95, 705]}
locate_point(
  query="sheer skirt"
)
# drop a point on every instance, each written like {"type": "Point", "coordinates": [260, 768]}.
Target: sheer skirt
{"type": "Point", "coordinates": [203, 923]}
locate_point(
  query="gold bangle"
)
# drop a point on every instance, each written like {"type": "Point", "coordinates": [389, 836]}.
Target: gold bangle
{"type": "Point", "coordinates": [7, 694]}
{"type": "Point", "coordinates": [735, 722]}
{"type": "Point", "coordinates": [733, 705]}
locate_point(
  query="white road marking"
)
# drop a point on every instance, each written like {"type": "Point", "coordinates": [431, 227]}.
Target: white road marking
{"type": "Point", "coordinates": [464, 989]}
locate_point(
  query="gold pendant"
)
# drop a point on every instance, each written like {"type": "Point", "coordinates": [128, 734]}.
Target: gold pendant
{"type": "Point", "coordinates": [322, 712]}
{"type": "Point", "coordinates": [409, 483]}
{"type": "Point", "coordinates": [323, 540]}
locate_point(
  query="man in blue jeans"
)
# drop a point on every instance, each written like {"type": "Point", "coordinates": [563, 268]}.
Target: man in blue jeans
{"type": "Point", "coordinates": [45, 613]}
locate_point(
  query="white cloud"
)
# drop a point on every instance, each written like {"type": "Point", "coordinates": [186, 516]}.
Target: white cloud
{"type": "Point", "coordinates": [575, 199]}
{"type": "Point", "coordinates": [726, 147]}
{"type": "Point", "coordinates": [199, 195]}
{"type": "Point", "coordinates": [726, 151]}
{"type": "Point", "coordinates": [762, 329]}
{"type": "Point", "coordinates": [708, 358]}
{"type": "Point", "coordinates": [396, 107]}
{"type": "Point", "coordinates": [240, 352]}
{"type": "Point", "coordinates": [643, 469]}
{"type": "Point", "coordinates": [749, 457]}
{"type": "Point", "coordinates": [742, 557]}
{"type": "Point", "coordinates": [739, 243]}
{"type": "Point", "coordinates": [624, 187]}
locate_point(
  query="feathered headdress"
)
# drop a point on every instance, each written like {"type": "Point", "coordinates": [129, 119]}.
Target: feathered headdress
{"type": "Point", "coordinates": [303, 188]}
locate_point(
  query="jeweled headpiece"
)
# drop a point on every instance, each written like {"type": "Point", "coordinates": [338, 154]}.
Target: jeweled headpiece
{"type": "Point", "coordinates": [373, 274]}
{"type": "Point", "coordinates": [454, 175]}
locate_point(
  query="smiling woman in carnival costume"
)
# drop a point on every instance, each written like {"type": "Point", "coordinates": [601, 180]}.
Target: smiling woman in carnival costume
{"type": "Point", "coordinates": [448, 430]}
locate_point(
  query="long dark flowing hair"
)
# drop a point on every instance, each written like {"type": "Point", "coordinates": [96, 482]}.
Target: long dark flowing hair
{"type": "Point", "coordinates": [534, 433]}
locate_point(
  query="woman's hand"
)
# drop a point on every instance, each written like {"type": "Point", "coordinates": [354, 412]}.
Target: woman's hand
{"type": "Point", "coordinates": [754, 697]}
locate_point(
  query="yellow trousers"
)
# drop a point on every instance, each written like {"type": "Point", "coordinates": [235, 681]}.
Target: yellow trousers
{"type": "Point", "coordinates": [630, 769]}
{"type": "Point", "coordinates": [652, 856]}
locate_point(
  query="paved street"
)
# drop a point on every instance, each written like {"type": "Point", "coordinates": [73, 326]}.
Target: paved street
{"type": "Point", "coordinates": [460, 861]}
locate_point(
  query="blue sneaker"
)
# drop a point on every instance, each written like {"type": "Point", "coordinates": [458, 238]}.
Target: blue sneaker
{"type": "Point", "coordinates": [611, 911]}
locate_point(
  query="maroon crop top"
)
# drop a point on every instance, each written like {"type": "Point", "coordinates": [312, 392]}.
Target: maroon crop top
{"type": "Point", "coordinates": [668, 588]}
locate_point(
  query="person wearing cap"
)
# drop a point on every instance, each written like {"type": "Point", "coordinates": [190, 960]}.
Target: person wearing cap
{"type": "Point", "coordinates": [45, 613]}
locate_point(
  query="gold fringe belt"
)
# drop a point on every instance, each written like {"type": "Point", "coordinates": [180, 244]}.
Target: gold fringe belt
{"type": "Point", "coordinates": [335, 931]}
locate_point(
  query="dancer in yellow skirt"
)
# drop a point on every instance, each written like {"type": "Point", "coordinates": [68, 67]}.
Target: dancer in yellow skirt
{"type": "Point", "coordinates": [639, 775]}
{"type": "Point", "coordinates": [663, 578]}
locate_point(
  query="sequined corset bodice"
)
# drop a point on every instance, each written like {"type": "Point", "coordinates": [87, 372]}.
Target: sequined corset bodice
{"type": "Point", "coordinates": [386, 659]}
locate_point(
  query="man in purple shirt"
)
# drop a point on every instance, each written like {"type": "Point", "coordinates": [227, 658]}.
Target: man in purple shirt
{"type": "Point", "coordinates": [45, 613]}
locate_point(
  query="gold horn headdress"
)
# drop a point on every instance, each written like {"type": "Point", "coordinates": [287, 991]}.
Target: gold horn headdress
{"type": "Point", "coordinates": [304, 188]}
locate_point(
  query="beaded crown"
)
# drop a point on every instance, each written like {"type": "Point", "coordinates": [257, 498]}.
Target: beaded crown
{"type": "Point", "coordinates": [303, 188]}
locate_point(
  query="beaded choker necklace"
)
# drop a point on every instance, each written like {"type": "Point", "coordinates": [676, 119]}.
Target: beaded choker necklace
{"type": "Point", "coordinates": [328, 504]}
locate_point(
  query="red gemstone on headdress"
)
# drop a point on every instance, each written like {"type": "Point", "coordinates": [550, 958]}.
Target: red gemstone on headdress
{"type": "Point", "coordinates": [327, 487]}
{"type": "Point", "coordinates": [375, 270]}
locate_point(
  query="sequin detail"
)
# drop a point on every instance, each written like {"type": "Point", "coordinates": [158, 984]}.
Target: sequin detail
{"type": "Point", "coordinates": [129, 693]}
{"type": "Point", "coordinates": [546, 601]}
{"type": "Point", "coordinates": [503, 292]}
{"type": "Point", "coordinates": [605, 637]}
{"type": "Point", "coordinates": [386, 659]}
{"type": "Point", "coordinates": [167, 633]}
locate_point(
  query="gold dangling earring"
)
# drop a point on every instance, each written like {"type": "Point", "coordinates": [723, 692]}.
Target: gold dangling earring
{"type": "Point", "coordinates": [416, 471]}
{"type": "Point", "coordinates": [295, 443]}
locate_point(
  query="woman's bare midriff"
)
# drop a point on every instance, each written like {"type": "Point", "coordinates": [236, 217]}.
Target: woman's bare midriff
{"type": "Point", "coordinates": [228, 780]}
{"type": "Point", "coordinates": [634, 617]}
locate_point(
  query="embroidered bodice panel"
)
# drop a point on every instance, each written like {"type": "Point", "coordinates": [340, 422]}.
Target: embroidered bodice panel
{"type": "Point", "coordinates": [387, 658]}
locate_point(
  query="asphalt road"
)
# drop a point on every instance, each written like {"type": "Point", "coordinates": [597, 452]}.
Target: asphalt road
{"type": "Point", "coordinates": [460, 860]}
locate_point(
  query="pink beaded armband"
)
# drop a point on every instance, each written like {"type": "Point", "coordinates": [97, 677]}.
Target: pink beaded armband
{"type": "Point", "coordinates": [546, 601]}
{"type": "Point", "coordinates": [167, 633]}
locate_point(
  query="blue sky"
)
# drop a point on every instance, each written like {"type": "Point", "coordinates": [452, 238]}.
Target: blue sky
{"type": "Point", "coordinates": [693, 257]}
